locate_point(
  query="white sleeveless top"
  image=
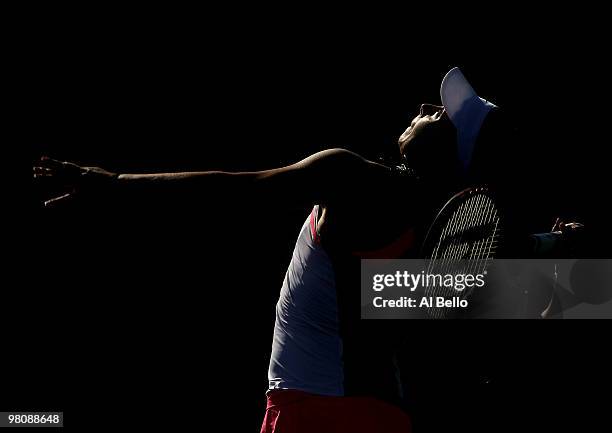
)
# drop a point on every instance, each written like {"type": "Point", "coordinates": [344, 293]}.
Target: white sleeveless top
{"type": "Point", "coordinates": [307, 348]}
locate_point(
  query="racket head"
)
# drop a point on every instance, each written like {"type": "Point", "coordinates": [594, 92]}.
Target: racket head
{"type": "Point", "coordinates": [464, 238]}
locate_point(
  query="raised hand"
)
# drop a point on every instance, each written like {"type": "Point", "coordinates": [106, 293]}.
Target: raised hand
{"type": "Point", "coordinates": [67, 179]}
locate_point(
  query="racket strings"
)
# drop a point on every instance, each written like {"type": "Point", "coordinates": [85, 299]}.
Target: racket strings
{"type": "Point", "coordinates": [466, 245]}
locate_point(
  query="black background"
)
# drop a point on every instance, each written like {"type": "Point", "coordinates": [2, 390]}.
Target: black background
{"type": "Point", "coordinates": [168, 309]}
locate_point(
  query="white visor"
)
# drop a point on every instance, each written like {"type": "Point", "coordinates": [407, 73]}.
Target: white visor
{"type": "Point", "coordinates": [465, 109]}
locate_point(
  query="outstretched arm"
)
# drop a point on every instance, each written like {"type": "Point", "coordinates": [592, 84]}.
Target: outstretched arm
{"type": "Point", "coordinates": [320, 178]}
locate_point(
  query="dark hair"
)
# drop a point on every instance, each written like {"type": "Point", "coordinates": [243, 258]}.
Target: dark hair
{"type": "Point", "coordinates": [504, 160]}
{"type": "Point", "coordinates": [497, 152]}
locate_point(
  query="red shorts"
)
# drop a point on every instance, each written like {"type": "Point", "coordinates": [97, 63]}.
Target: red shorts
{"type": "Point", "coordinates": [290, 411]}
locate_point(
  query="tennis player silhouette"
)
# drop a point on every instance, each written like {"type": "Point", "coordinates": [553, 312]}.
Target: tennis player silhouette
{"type": "Point", "coordinates": [329, 372]}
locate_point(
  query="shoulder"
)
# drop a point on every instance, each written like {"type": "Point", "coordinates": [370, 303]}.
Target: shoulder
{"type": "Point", "coordinates": [334, 168]}
{"type": "Point", "coordinates": [329, 176]}
{"type": "Point", "coordinates": [339, 159]}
